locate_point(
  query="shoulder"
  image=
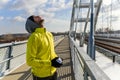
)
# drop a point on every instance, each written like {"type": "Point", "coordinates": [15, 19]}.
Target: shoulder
{"type": "Point", "coordinates": [34, 36]}
{"type": "Point", "coordinates": [49, 33]}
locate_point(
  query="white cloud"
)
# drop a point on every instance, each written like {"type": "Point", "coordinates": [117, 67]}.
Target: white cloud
{"type": "Point", "coordinates": [3, 3]}
{"type": "Point", "coordinates": [107, 2]}
{"type": "Point", "coordinates": [33, 6]}
{"type": "Point", "coordinates": [116, 13]}
{"type": "Point", "coordinates": [57, 25]}
{"type": "Point", "coordinates": [52, 9]}
{"type": "Point", "coordinates": [57, 5]}
{"type": "Point", "coordinates": [69, 4]}
{"type": "Point", "coordinates": [30, 6]}
{"type": "Point", "coordinates": [1, 17]}
{"type": "Point", "coordinates": [108, 10]}
{"type": "Point", "coordinates": [19, 18]}
{"type": "Point", "coordinates": [45, 8]}
{"type": "Point", "coordinates": [46, 14]}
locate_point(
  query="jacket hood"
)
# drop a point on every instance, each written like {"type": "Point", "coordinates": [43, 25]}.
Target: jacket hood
{"type": "Point", "coordinates": [30, 26]}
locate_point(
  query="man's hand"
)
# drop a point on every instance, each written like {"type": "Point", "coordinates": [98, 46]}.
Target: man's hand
{"type": "Point", "coordinates": [57, 62]}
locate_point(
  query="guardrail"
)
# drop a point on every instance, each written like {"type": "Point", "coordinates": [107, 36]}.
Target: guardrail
{"type": "Point", "coordinates": [12, 55]}
{"type": "Point", "coordinates": [84, 67]}
{"type": "Point", "coordinates": [108, 53]}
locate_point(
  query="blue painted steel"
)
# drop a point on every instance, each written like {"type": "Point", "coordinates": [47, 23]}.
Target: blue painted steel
{"type": "Point", "coordinates": [91, 44]}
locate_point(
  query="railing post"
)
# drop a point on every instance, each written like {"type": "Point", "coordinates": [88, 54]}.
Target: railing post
{"type": "Point", "coordinates": [9, 56]}
{"type": "Point", "coordinates": [113, 58]}
{"type": "Point", "coordinates": [85, 74]}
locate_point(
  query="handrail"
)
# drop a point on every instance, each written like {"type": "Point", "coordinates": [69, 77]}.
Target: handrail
{"type": "Point", "coordinates": [11, 45]}
{"type": "Point", "coordinates": [11, 58]}
{"type": "Point", "coordinates": [5, 64]}
{"type": "Point", "coordinates": [89, 67]}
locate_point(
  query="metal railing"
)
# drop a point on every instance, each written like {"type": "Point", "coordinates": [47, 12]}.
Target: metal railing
{"type": "Point", "coordinates": [84, 67]}
{"type": "Point", "coordinates": [12, 55]}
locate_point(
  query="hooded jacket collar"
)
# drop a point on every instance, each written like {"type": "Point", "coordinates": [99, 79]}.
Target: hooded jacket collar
{"type": "Point", "coordinates": [40, 30]}
{"type": "Point", "coordinates": [31, 26]}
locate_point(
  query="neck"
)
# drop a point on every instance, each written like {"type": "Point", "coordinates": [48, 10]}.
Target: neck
{"type": "Point", "coordinates": [41, 26]}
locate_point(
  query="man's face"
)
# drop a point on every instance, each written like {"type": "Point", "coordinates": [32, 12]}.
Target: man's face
{"type": "Point", "coordinates": [37, 19]}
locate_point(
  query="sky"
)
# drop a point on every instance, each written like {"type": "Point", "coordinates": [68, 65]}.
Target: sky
{"type": "Point", "coordinates": [109, 15]}
{"type": "Point", "coordinates": [13, 14]}
{"type": "Point", "coordinates": [57, 14]}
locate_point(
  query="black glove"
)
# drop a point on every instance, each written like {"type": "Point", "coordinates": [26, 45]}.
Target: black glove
{"type": "Point", "coordinates": [57, 62]}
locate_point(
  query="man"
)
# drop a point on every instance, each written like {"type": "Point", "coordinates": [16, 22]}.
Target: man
{"type": "Point", "coordinates": [40, 54]}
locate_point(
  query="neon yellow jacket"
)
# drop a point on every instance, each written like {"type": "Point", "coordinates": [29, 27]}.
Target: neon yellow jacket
{"type": "Point", "coordinates": [40, 52]}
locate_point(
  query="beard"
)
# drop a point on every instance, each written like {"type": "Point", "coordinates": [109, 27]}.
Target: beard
{"type": "Point", "coordinates": [41, 23]}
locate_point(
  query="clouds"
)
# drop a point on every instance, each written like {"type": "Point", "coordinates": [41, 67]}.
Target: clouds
{"type": "Point", "coordinates": [3, 3]}
{"type": "Point", "coordinates": [16, 19]}
{"type": "Point", "coordinates": [57, 5]}
{"type": "Point", "coordinates": [19, 18]}
{"type": "Point", "coordinates": [1, 18]}
{"type": "Point", "coordinates": [57, 25]}
{"type": "Point", "coordinates": [15, 12]}
{"type": "Point", "coordinates": [55, 12]}
{"type": "Point", "coordinates": [109, 10]}
{"type": "Point", "coordinates": [40, 6]}
{"type": "Point", "coordinates": [106, 2]}
{"type": "Point", "coordinates": [45, 8]}
{"type": "Point", "coordinates": [109, 15]}
{"type": "Point", "coordinates": [30, 6]}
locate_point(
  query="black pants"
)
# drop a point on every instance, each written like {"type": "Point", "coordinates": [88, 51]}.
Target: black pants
{"type": "Point", "coordinates": [54, 77]}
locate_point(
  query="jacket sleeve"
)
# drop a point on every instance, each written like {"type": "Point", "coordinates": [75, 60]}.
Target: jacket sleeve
{"type": "Point", "coordinates": [53, 46]}
{"type": "Point", "coordinates": [31, 54]}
